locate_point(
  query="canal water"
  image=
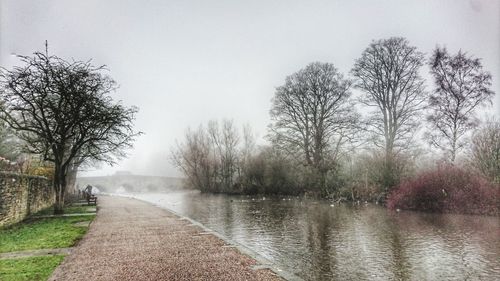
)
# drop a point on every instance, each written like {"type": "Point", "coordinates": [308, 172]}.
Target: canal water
{"type": "Point", "coordinates": [320, 241]}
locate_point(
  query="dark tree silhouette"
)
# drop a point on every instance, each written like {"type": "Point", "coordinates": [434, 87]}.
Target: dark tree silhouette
{"type": "Point", "coordinates": [312, 115]}
{"type": "Point", "coordinates": [461, 86]}
{"type": "Point", "coordinates": [62, 110]}
{"type": "Point", "coordinates": [388, 74]}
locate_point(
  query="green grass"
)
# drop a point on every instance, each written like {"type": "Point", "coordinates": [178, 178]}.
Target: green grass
{"type": "Point", "coordinates": [67, 210]}
{"type": "Point", "coordinates": [40, 233]}
{"type": "Point", "coordinates": [43, 233]}
{"type": "Point", "coordinates": [32, 269]}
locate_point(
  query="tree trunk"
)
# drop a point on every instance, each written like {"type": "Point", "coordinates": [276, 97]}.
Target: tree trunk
{"type": "Point", "coordinates": [453, 149]}
{"type": "Point", "coordinates": [70, 183]}
{"type": "Point", "coordinates": [59, 188]}
{"type": "Point", "coordinates": [388, 180]}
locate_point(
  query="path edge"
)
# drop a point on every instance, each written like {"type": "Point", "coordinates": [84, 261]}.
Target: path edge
{"type": "Point", "coordinates": [263, 263]}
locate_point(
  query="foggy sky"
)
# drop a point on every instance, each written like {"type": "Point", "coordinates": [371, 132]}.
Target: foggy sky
{"type": "Point", "coordinates": [185, 62]}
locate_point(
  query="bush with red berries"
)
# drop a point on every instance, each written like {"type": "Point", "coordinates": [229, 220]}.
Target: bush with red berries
{"type": "Point", "coordinates": [448, 189]}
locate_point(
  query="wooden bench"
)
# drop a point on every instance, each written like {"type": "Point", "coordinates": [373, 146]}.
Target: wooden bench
{"type": "Point", "coordinates": [90, 198]}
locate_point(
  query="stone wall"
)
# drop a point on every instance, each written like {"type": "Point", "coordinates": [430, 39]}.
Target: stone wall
{"type": "Point", "coordinates": [21, 195]}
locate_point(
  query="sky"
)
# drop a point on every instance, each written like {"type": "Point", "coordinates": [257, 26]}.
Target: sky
{"type": "Point", "coordinates": [186, 62]}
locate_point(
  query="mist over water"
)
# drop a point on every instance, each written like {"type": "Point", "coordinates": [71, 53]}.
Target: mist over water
{"type": "Point", "coordinates": [320, 241]}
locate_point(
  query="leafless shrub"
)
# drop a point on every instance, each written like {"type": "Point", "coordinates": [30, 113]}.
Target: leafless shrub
{"type": "Point", "coordinates": [486, 150]}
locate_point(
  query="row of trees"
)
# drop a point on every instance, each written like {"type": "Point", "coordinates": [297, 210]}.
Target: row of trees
{"type": "Point", "coordinates": [62, 112]}
{"type": "Point", "coordinates": [219, 157]}
{"type": "Point", "coordinates": [210, 156]}
{"type": "Point", "coordinates": [317, 133]}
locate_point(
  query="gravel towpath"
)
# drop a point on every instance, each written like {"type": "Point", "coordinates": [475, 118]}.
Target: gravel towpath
{"type": "Point", "coordinates": [133, 240]}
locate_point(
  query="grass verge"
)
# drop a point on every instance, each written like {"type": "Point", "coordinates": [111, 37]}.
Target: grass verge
{"type": "Point", "coordinates": [43, 233]}
{"type": "Point", "coordinates": [40, 233]}
{"type": "Point", "coordinates": [32, 268]}
{"type": "Point", "coordinates": [68, 210]}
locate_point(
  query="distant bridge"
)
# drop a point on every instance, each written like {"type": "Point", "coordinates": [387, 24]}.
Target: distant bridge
{"type": "Point", "coordinates": [131, 183]}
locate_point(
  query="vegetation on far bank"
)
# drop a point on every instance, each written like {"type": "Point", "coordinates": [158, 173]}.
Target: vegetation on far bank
{"type": "Point", "coordinates": [29, 269]}
{"type": "Point", "coordinates": [447, 189]}
{"type": "Point", "coordinates": [319, 142]}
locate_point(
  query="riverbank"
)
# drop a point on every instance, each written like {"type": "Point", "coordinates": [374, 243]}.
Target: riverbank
{"type": "Point", "coordinates": [32, 249]}
{"type": "Point", "coordinates": [134, 240]}
{"type": "Point", "coordinates": [317, 240]}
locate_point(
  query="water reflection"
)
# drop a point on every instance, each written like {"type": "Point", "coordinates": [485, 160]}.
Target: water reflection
{"type": "Point", "coordinates": [318, 241]}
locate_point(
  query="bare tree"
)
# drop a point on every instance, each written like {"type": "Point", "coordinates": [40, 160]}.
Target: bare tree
{"type": "Point", "coordinates": [247, 150]}
{"type": "Point", "coordinates": [210, 157]}
{"type": "Point", "coordinates": [461, 86]}
{"type": "Point", "coordinates": [388, 74]}
{"type": "Point", "coordinates": [195, 158]}
{"type": "Point", "coordinates": [312, 114]}
{"type": "Point", "coordinates": [486, 150]}
{"type": "Point", "coordinates": [225, 139]}
{"type": "Point", "coordinates": [62, 110]}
